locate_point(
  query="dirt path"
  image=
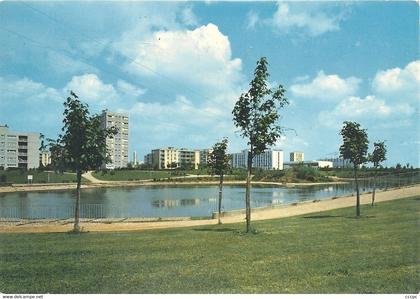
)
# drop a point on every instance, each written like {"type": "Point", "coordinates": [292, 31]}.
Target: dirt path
{"type": "Point", "coordinates": [232, 217]}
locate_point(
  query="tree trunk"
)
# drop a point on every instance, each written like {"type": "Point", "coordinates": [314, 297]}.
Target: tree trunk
{"type": "Point", "coordinates": [220, 197]}
{"type": "Point", "coordinates": [374, 187]}
{"type": "Point", "coordinates": [357, 192]}
{"type": "Point", "coordinates": [248, 192]}
{"type": "Point", "coordinates": [77, 208]}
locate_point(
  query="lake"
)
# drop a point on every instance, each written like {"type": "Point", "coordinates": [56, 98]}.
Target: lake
{"type": "Point", "coordinates": [163, 201]}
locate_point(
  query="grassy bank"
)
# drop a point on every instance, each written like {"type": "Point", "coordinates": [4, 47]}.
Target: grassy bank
{"type": "Point", "coordinates": [329, 252]}
{"type": "Point", "coordinates": [131, 175]}
{"type": "Point", "coordinates": [19, 176]}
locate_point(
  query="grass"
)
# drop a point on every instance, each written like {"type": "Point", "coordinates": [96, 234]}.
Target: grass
{"type": "Point", "coordinates": [17, 176]}
{"type": "Point", "coordinates": [329, 252]}
{"type": "Point", "coordinates": [130, 175]}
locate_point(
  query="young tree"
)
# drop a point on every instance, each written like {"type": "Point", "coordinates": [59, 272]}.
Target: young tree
{"type": "Point", "coordinates": [354, 148]}
{"type": "Point", "coordinates": [256, 115]}
{"type": "Point", "coordinates": [378, 155]}
{"type": "Point", "coordinates": [82, 146]}
{"type": "Point", "coordinates": [218, 163]}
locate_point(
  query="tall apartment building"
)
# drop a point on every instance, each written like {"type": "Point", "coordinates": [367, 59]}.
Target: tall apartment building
{"type": "Point", "coordinates": [269, 159]}
{"type": "Point", "coordinates": [297, 157]}
{"type": "Point", "coordinates": [170, 157]}
{"type": "Point", "coordinates": [118, 145]}
{"type": "Point", "coordinates": [18, 149]}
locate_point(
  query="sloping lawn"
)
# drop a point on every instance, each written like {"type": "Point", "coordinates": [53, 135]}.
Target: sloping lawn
{"type": "Point", "coordinates": [130, 175]}
{"type": "Point", "coordinates": [329, 252]}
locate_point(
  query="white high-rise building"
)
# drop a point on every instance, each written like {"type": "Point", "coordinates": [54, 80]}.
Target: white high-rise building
{"type": "Point", "coordinates": [118, 145]}
{"type": "Point", "coordinates": [18, 149]}
{"type": "Point", "coordinates": [269, 159]}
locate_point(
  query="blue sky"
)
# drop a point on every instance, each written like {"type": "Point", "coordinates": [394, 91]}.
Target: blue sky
{"type": "Point", "coordinates": [177, 68]}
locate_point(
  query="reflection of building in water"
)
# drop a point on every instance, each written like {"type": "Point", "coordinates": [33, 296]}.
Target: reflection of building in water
{"type": "Point", "coordinates": [171, 203]}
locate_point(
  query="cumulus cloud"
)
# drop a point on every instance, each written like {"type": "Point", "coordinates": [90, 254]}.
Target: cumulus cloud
{"type": "Point", "coordinates": [326, 87]}
{"type": "Point", "coordinates": [401, 83]}
{"type": "Point", "coordinates": [201, 57]}
{"type": "Point", "coordinates": [91, 89]}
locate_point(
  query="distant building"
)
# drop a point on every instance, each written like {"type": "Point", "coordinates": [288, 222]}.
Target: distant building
{"type": "Point", "coordinates": [204, 156]}
{"type": "Point", "coordinates": [314, 164]}
{"type": "Point", "coordinates": [297, 157]}
{"type": "Point", "coordinates": [170, 158]}
{"type": "Point", "coordinates": [269, 159]}
{"type": "Point", "coordinates": [44, 158]}
{"type": "Point", "coordinates": [135, 161]}
{"type": "Point", "coordinates": [18, 149]}
{"type": "Point", "coordinates": [118, 145]}
{"type": "Point", "coordinates": [340, 162]}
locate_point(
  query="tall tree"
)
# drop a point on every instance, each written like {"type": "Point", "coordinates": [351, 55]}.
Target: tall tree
{"type": "Point", "coordinates": [82, 145]}
{"type": "Point", "coordinates": [218, 163]}
{"type": "Point", "coordinates": [378, 155]}
{"type": "Point", "coordinates": [354, 147]}
{"type": "Point", "coordinates": [256, 115]}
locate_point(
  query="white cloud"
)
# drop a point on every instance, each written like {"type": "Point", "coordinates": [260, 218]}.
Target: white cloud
{"type": "Point", "coordinates": [199, 58]}
{"type": "Point", "coordinates": [188, 17]}
{"type": "Point", "coordinates": [308, 18]}
{"type": "Point", "coordinates": [129, 89]}
{"type": "Point", "coordinates": [91, 89]}
{"type": "Point", "coordinates": [368, 108]}
{"type": "Point", "coordinates": [326, 87]}
{"type": "Point", "coordinates": [401, 84]}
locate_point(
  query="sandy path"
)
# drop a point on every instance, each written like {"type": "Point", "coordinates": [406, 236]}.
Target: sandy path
{"type": "Point", "coordinates": [258, 214]}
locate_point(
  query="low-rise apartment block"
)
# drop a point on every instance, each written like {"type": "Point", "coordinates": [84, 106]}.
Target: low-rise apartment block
{"type": "Point", "coordinates": [18, 149]}
{"type": "Point", "coordinates": [297, 157]}
{"type": "Point", "coordinates": [269, 159]}
{"type": "Point", "coordinates": [170, 158]}
{"type": "Point", "coordinates": [314, 164]}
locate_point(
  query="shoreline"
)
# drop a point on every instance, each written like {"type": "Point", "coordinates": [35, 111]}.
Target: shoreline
{"type": "Point", "coordinates": [148, 183]}
{"type": "Point", "coordinates": [273, 212]}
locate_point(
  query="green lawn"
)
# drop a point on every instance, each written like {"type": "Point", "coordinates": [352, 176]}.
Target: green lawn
{"type": "Point", "coordinates": [17, 176]}
{"type": "Point", "coordinates": [329, 252]}
{"type": "Point", "coordinates": [130, 175]}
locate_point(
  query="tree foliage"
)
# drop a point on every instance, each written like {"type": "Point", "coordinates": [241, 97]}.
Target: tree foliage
{"type": "Point", "coordinates": [256, 115]}
{"type": "Point", "coordinates": [355, 143]}
{"type": "Point", "coordinates": [82, 144]}
{"type": "Point", "coordinates": [218, 160]}
{"type": "Point", "coordinates": [354, 147]}
{"type": "Point", "coordinates": [378, 154]}
{"type": "Point", "coordinates": [256, 111]}
{"type": "Point", "coordinates": [218, 163]}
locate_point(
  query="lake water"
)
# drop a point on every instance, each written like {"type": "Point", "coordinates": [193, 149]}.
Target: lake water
{"type": "Point", "coordinates": [163, 201]}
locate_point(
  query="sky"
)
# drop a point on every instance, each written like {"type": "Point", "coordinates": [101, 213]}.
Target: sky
{"type": "Point", "coordinates": [177, 69]}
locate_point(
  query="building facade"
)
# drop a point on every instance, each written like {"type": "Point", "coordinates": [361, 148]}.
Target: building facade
{"type": "Point", "coordinates": [118, 145]}
{"type": "Point", "coordinates": [314, 164]}
{"type": "Point", "coordinates": [44, 158]}
{"type": "Point", "coordinates": [269, 159]}
{"type": "Point", "coordinates": [340, 162]}
{"type": "Point", "coordinates": [18, 149]}
{"type": "Point", "coordinates": [204, 156]}
{"type": "Point", "coordinates": [297, 157]}
{"type": "Point", "coordinates": [171, 158]}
